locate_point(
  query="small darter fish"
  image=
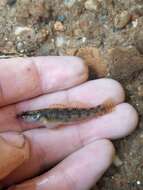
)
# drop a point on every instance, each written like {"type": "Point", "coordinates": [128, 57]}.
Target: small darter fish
{"type": "Point", "coordinates": [65, 115]}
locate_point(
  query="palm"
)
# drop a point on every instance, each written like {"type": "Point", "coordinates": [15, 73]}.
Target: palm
{"type": "Point", "coordinates": [39, 82]}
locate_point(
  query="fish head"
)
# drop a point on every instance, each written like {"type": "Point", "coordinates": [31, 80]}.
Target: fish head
{"type": "Point", "coordinates": [30, 116]}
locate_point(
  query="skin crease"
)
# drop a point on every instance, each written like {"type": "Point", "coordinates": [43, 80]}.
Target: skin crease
{"type": "Point", "coordinates": [87, 153]}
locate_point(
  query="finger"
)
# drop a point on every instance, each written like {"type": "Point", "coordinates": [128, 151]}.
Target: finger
{"type": "Point", "coordinates": [23, 78]}
{"type": "Point", "coordinates": [92, 92]}
{"type": "Point", "coordinates": [15, 150]}
{"type": "Point", "coordinates": [121, 122]}
{"type": "Point", "coordinates": [51, 143]}
{"type": "Point", "coordinates": [79, 171]}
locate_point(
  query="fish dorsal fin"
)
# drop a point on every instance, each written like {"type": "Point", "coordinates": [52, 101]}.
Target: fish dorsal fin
{"type": "Point", "coordinates": [74, 104]}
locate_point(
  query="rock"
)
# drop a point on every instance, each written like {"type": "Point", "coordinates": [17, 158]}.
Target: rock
{"type": "Point", "coordinates": [91, 5]}
{"type": "Point", "coordinates": [122, 19]}
{"type": "Point", "coordinates": [139, 41]}
{"type": "Point", "coordinates": [58, 26]}
{"type": "Point", "coordinates": [117, 161]}
{"type": "Point", "coordinates": [124, 64]}
{"type": "Point", "coordinates": [93, 59]}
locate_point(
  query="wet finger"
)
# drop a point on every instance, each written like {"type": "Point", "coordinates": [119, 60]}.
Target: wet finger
{"type": "Point", "coordinates": [24, 78]}
{"type": "Point", "coordinates": [14, 150]}
{"type": "Point", "coordinates": [93, 92]}
{"type": "Point", "coordinates": [48, 146]}
{"type": "Point", "coordinates": [79, 171]}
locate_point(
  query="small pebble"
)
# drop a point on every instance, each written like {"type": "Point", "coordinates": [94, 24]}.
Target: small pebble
{"type": "Point", "coordinates": [19, 30]}
{"type": "Point", "coordinates": [69, 3]}
{"type": "Point", "coordinates": [84, 39]}
{"type": "Point", "coordinates": [122, 19]}
{"type": "Point", "coordinates": [135, 23]}
{"type": "Point", "coordinates": [60, 41]}
{"type": "Point", "coordinates": [141, 135]}
{"type": "Point", "coordinates": [91, 5]}
{"type": "Point", "coordinates": [58, 26]}
{"type": "Point", "coordinates": [11, 2]}
{"type": "Point", "coordinates": [138, 182]}
{"type": "Point", "coordinates": [61, 18]}
{"type": "Point", "coordinates": [117, 161]}
{"type": "Point", "coordinates": [20, 46]}
{"type": "Point", "coordinates": [140, 91]}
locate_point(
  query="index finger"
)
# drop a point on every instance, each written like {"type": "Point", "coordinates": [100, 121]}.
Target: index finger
{"type": "Point", "coordinates": [24, 78]}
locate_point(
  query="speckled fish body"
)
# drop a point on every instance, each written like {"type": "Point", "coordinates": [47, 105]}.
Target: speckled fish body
{"type": "Point", "coordinates": [64, 115]}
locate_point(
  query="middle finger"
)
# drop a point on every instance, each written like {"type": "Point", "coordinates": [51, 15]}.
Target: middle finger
{"type": "Point", "coordinates": [93, 92]}
{"type": "Point", "coordinates": [48, 146]}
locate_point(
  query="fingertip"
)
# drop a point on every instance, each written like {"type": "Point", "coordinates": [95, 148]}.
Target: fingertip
{"type": "Point", "coordinates": [108, 146]}
{"type": "Point", "coordinates": [106, 153]}
{"type": "Point", "coordinates": [123, 121]}
{"type": "Point", "coordinates": [81, 70]}
{"type": "Point", "coordinates": [97, 92]}
{"type": "Point", "coordinates": [131, 117]}
{"type": "Point", "coordinates": [116, 88]}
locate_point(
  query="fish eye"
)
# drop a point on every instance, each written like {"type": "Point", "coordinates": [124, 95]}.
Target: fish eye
{"type": "Point", "coordinates": [31, 117]}
{"type": "Point", "coordinates": [36, 116]}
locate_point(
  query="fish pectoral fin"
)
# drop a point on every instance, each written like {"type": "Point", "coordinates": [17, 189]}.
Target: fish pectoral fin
{"type": "Point", "coordinates": [49, 124]}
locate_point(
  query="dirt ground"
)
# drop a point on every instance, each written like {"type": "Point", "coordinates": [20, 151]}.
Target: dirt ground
{"type": "Point", "coordinates": [109, 35]}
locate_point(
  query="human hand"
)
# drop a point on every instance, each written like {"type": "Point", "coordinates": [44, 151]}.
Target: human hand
{"type": "Point", "coordinates": [81, 151]}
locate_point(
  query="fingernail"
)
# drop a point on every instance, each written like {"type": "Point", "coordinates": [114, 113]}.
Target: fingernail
{"type": "Point", "coordinates": [15, 150]}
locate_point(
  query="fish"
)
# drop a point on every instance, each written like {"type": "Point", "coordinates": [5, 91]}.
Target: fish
{"type": "Point", "coordinates": [63, 114]}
